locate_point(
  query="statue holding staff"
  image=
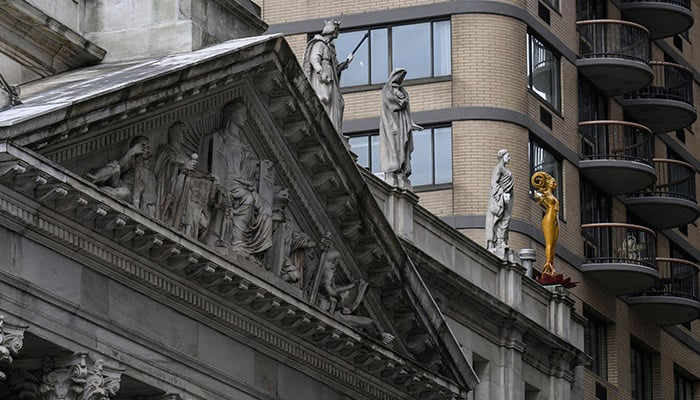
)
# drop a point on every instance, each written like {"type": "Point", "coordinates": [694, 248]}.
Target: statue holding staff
{"type": "Point", "coordinates": [323, 70]}
{"type": "Point", "coordinates": [500, 206]}
{"type": "Point", "coordinates": [545, 185]}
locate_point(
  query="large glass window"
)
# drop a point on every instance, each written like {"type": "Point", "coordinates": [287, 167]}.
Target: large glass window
{"type": "Point", "coordinates": [596, 344]}
{"type": "Point", "coordinates": [543, 160]}
{"type": "Point", "coordinates": [683, 387]}
{"type": "Point", "coordinates": [641, 373]}
{"type": "Point", "coordinates": [431, 160]}
{"type": "Point", "coordinates": [543, 71]}
{"type": "Point", "coordinates": [424, 49]}
{"type": "Point", "coordinates": [591, 9]}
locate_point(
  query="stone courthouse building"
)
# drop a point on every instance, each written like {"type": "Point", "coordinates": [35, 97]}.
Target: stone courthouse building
{"type": "Point", "coordinates": [180, 219]}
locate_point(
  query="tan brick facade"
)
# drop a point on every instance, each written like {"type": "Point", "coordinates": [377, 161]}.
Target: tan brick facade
{"type": "Point", "coordinates": [489, 70]}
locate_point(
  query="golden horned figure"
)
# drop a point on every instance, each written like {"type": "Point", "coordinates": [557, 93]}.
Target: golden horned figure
{"type": "Point", "coordinates": [544, 185]}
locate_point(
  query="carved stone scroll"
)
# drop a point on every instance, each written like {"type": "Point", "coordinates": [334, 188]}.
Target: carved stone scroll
{"type": "Point", "coordinates": [11, 342]}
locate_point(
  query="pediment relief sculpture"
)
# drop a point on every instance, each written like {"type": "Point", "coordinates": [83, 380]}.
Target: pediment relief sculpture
{"type": "Point", "coordinates": [210, 185]}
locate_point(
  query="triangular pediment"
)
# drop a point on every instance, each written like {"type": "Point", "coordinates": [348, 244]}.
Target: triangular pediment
{"type": "Point", "coordinates": [229, 149]}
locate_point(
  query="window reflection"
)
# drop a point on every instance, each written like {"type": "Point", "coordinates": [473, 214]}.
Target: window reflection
{"type": "Point", "coordinates": [410, 49]}
{"type": "Point", "coordinates": [431, 160]}
{"type": "Point", "coordinates": [442, 48]}
{"type": "Point", "coordinates": [543, 71]}
{"type": "Point", "coordinates": [543, 160]}
{"type": "Point", "coordinates": [380, 55]}
{"type": "Point", "coordinates": [424, 49]}
{"type": "Point", "coordinates": [358, 71]}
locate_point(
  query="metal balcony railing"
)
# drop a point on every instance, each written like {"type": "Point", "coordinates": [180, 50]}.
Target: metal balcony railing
{"type": "Point", "coordinates": [609, 38]}
{"type": "Point", "coordinates": [678, 278]}
{"type": "Point", "coordinates": [615, 243]}
{"type": "Point", "coordinates": [674, 179]}
{"type": "Point", "coordinates": [616, 140]}
{"type": "Point", "coordinates": [681, 3]}
{"type": "Point", "coordinates": [671, 82]}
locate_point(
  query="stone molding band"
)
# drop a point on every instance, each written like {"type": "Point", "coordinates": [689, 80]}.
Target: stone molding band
{"type": "Point", "coordinates": [473, 113]}
{"type": "Point", "coordinates": [432, 11]}
{"type": "Point", "coordinates": [503, 115]}
{"type": "Point", "coordinates": [516, 225]}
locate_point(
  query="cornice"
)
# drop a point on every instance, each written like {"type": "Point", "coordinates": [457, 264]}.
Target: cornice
{"type": "Point", "coordinates": [282, 321]}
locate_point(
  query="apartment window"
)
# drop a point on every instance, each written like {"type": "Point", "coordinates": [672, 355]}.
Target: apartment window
{"type": "Point", "coordinates": [595, 208]}
{"type": "Point", "coordinates": [596, 345]}
{"type": "Point", "coordinates": [552, 3]}
{"type": "Point", "coordinates": [592, 104]}
{"type": "Point", "coordinates": [542, 160]}
{"type": "Point", "coordinates": [423, 49]}
{"type": "Point", "coordinates": [683, 387]}
{"type": "Point", "coordinates": [591, 9]}
{"type": "Point", "coordinates": [431, 160]}
{"type": "Point", "coordinates": [641, 373]}
{"type": "Point", "coordinates": [543, 71]}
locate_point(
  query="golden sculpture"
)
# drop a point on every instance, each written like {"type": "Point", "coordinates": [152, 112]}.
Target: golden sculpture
{"type": "Point", "coordinates": [544, 185]}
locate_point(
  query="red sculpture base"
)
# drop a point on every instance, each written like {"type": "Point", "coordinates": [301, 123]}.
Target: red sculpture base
{"type": "Point", "coordinates": [556, 280]}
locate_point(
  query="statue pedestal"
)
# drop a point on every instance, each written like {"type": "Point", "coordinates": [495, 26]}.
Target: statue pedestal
{"type": "Point", "coordinates": [399, 203]}
{"type": "Point", "coordinates": [395, 180]}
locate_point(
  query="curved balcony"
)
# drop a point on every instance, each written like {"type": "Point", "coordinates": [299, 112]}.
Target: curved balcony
{"type": "Point", "coordinates": [621, 257]}
{"type": "Point", "coordinates": [663, 18]}
{"type": "Point", "coordinates": [616, 155]}
{"type": "Point", "coordinates": [671, 201]}
{"type": "Point", "coordinates": [667, 103]}
{"type": "Point", "coordinates": [614, 55]}
{"type": "Point", "coordinates": [674, 300]}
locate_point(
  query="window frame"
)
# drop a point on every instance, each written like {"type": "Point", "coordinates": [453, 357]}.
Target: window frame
{"type": "Point", "coordinates": [647, 369]}
{"type": "Point", "coordinates": [560, 171]}
{"type": "Point", "coordinates": [417, 188]}
{"type": "Point", "coordinates": [413, 81]}
{"type": "Point", "coordinates": [599, 366]}
{"type": "Point", "coordinates": [556, 107]}
{"type": "Point", "coordinates": [686, 381]}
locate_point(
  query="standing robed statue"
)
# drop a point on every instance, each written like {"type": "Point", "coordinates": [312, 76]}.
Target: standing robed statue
{"type": "Point", "coordinates": [396, 127]}
{"type": "Point", "coordinates": [323, 70]}
{"type": "Point", "coordinates": [500, 206]}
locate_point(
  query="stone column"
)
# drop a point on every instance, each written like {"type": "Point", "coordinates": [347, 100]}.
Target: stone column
{"type": "Point", "coordinates": [510, 364]}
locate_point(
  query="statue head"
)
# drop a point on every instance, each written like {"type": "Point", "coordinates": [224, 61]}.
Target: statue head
{"type": "Point", "coordinates": [397, 76]}
{"type": "Point", "coordinates": [176, 134]}
{"type": "Point", "coordinates": [332, 28]}
{"type": "Point", "coordinates": [541, 180]}
{"type": "Point", "coordinates": [235, 112]}
{"type": "Point", "coordinates": [141, 140]}
{"type": "Point", "coordinates": [504, 155]}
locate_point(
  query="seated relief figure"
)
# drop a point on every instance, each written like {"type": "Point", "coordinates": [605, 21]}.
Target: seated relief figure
{"type": "Point", "coordinates": [340, 299]}
{"type": "Point", "coordinates": [130, 178]}
{"type": "Point", "coordinates": [246, 224]}
{"type": "Point", "coordinates": [185, 195]}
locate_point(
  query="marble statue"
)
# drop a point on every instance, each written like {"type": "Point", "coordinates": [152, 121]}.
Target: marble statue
{"type": "Point", "coordinates": [340, 299]}
{"type": "Point", "coordinates": [248, 184]}
{"type": "Point", "coordinates": [396, 127]}
{"type": "Point", "coordinates": [500, 206]}
{"type": "Point", "coordinates": [184, 194]}
{"type": "Point", "coordinates": [130, 178]}
{"type": "Point", "coordinates": [545, 185]}
{"type": "Point", "coordinates": [323, 70]}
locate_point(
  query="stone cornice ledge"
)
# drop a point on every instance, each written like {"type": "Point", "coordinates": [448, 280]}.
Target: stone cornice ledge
{"type": "Point", "coordinates": [40, 42]}
{"type": "Point", "coordinates": [124, 230]}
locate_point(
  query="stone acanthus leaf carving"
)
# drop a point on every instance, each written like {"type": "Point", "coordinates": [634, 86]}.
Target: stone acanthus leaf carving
{"type": "Point", "coordinates": [11, 342]}
{"type": "Point", "coordinates": [72, 377]}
